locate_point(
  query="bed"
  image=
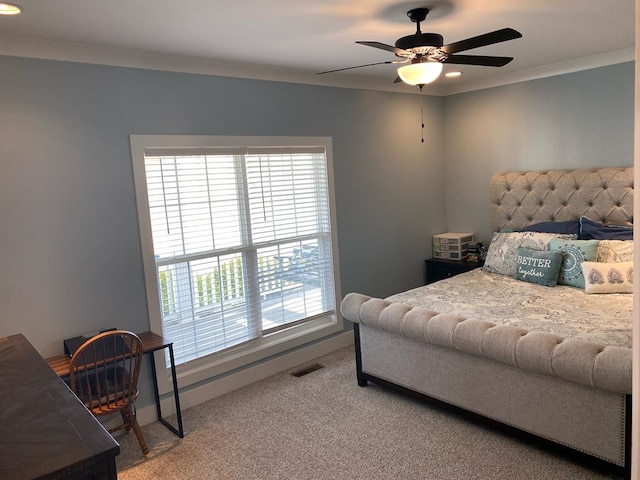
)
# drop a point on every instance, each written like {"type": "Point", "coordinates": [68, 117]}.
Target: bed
{"type": "Point", "coordinates": [550, 363]}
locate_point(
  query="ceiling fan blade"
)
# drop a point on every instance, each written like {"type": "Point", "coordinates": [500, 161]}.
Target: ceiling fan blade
{"type": "Point", "coordinates": [482, 40]}
{"type": "Point", "coordinates": [358, 66]}
{"type": "Point", "coordinates": [388, 48]}
{"type": "Point", "coordinates": [478, 60]}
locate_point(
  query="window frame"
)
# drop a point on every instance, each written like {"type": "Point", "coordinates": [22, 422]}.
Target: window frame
{"type": "Point", "coordinates": [272, 344]}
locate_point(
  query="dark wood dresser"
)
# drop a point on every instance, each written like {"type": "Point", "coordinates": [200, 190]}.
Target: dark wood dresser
{"type": "Point", "coordinates": [46, 432]}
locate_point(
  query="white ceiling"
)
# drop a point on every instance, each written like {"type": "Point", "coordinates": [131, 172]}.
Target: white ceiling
{"type": "Point", "coordinates": [291, 40]}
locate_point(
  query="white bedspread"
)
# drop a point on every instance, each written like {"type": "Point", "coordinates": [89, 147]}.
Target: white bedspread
{"type": "Point", "coordinates": [567, 311]}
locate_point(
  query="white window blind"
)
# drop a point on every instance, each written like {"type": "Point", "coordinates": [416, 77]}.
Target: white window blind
{"type": "Point", "coordinates": [242, 243]}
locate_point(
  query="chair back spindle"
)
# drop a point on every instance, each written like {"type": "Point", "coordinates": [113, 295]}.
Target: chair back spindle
{"type": "Point", "coordinates": [104, 375]}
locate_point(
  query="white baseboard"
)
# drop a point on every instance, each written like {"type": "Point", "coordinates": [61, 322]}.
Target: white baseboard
{"type": "Point", "coordinates": [194, 396]}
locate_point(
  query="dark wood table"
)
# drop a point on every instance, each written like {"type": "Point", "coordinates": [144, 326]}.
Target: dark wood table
{"type": "Point", "coordinates": [151, 342]}
{"type": "Point", "coordinates": [46, 432]}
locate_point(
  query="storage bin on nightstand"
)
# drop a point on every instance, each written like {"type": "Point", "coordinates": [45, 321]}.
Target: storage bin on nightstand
{"type": "Point", "coordinates": [451, 246]}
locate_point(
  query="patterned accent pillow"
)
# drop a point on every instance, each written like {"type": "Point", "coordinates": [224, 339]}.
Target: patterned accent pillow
{"type": "Point", "coordinates": [610, 251]}
{"type": "Point", "coordinates": [538, 266]}
{"type": "Point", "coordinates": [574, 252]}
{"type": "Point", "coordinates": [502, 253]}
{"type": "Point", "coordinates": [614, 277]}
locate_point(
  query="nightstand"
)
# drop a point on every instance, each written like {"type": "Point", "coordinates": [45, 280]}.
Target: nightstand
{"type": "Point", "coordinates": [439, 268]}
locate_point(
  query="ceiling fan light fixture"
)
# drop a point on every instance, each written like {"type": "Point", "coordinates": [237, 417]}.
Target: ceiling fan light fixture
{"type": "Point", "coordinates": [10, 9]}
{"type": "Point", "coordinates": [420, 73]}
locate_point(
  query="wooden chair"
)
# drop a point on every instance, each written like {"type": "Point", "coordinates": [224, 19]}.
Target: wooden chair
{"type": "Point", "coordinates": [104, 376]}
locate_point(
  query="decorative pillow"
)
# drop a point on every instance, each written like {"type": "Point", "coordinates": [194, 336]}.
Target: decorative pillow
{"type": "Point", "coordinates": [598, 231]}
{"type": "Point", "coordinates": [574, 252]}
{"type": "Point", "coordinates": [615, 251]}
{"type": "Point", "coordinates": [614, 277]}
{"type": "Point", "coordinates": [538, 266]}
{"type": "Point", "coordinates": [501, 256]}
{"type": "Point", "coordinates": [570, 226]}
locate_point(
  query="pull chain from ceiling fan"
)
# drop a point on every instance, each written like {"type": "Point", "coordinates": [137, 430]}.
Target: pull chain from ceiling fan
{"type": "Point", "coordinates": [421, 113]}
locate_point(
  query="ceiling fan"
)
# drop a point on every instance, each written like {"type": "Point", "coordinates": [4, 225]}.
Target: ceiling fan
{"type": "Point", "coordinates": [425, 54]}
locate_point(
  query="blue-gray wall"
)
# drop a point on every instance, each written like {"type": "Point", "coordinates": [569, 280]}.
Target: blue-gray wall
{"type": "Point", "coordinates": [577, 120]}
{"type": "Point", "coordinates": [70, 254]}
{"type": "Point", "coordinates": [69, 242]}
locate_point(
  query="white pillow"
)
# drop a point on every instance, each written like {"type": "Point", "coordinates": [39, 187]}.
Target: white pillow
{"type": "Point", "coordinates": [614, 277]}
{"type": "Point", "coordinates": [502, 254]}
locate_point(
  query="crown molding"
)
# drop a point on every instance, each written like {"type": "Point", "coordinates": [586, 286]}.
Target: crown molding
{"type": "Point", "coordinates": [121, 57]}
{"type": "Point", "coordinates": [585, 63]}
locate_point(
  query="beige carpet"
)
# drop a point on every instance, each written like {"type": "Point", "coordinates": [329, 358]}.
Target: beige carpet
{"type": "Point", "coordinates": [323, 426]}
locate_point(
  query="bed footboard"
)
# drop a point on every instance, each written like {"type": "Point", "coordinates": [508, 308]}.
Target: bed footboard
{"type": "Point", "coordinates": [607, 368]}
{"type": "Point", "coordinates": [587, 421]}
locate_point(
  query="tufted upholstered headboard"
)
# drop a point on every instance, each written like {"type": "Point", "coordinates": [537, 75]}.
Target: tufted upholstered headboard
{"type": "Point", "coordinates": [522, 198]}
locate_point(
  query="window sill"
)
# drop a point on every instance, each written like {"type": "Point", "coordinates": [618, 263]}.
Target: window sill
{"type": "Point", "coordinates": [208, 368]}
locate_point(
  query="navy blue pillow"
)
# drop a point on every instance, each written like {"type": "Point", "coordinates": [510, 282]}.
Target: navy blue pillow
{"type": "Point", "coordinates": [570, 226]}
{"type": "Point", "coordinates": [590, 230]}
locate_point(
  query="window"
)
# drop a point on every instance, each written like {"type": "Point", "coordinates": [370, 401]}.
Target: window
{"type": "Point", "coordinates": [238, 242]}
